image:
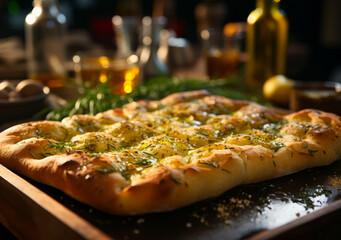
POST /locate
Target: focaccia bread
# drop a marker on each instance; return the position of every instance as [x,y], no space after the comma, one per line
[152,156]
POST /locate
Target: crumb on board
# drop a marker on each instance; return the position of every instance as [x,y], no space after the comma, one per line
[335,181]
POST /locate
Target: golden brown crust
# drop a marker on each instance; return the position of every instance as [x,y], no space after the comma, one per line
[155,156]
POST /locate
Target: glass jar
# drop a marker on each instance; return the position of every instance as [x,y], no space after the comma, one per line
[45,28]
[106,66]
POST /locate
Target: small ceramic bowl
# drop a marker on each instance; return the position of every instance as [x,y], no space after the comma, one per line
[324,96]
[22,108]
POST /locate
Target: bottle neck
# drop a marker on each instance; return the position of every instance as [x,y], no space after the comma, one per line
[49,7]
[46,4]
[151,28]
[268,5]
[43,3]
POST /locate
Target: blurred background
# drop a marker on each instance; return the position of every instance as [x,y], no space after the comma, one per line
[314,51]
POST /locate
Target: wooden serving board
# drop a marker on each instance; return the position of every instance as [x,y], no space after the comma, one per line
[306,204]
[30,213]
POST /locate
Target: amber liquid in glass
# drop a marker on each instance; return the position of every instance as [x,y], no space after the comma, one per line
[266,43]
[52,80]
[122,78]
[222,65]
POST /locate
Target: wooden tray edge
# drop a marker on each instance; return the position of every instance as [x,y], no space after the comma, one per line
[30,213]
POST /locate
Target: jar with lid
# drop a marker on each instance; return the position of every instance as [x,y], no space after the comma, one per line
[45,28]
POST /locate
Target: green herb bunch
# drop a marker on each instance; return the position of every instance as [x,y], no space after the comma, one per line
[100,98]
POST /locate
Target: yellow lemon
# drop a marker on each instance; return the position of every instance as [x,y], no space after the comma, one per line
[277,89]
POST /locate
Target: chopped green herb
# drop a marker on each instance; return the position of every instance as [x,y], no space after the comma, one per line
[277,146]
[58,145]
[168,139]
[149,154]
[175,179]
[147,146]
[225,170]
[112,146]
[204,134]
[33,155]
[305,196]
[209,163]
[311,151]
[106,168]
[143,163]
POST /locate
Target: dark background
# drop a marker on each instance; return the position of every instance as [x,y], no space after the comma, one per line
[315,26]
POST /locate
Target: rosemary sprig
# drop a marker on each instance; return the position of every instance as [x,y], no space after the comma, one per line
[33,155]
[143,163]
[209,163]
[149,154]
[105,168]
[58,145]
[277,146]
[175,179]
[98,99]
[311,151]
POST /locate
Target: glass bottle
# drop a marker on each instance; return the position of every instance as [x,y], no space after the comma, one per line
[266,43]
[45,29]
[126,34]
[150,64]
